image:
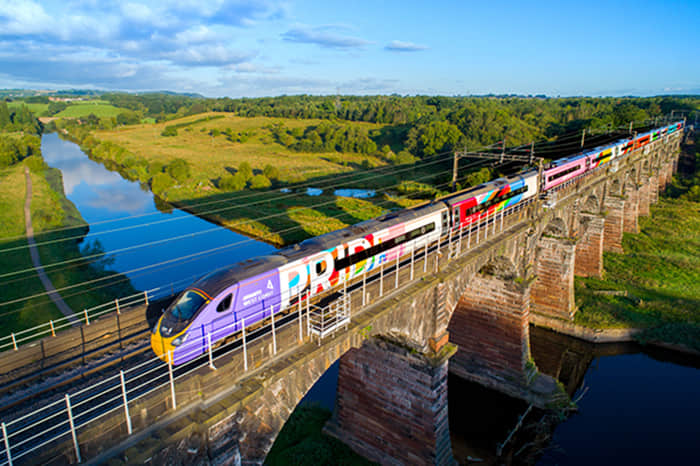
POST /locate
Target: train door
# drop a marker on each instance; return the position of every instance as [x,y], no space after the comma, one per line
[224,319]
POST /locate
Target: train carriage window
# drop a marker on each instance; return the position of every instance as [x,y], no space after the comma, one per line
[224,304]
[455,216]
[564,173]
[320,267]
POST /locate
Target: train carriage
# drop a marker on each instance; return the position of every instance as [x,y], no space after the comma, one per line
[487,198]
[563,170]
[223,302]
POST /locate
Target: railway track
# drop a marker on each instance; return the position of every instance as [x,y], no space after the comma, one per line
[80,394]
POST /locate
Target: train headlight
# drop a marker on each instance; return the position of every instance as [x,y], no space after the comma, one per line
[179,340]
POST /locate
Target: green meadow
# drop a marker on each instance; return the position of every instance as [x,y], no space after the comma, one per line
[658,275]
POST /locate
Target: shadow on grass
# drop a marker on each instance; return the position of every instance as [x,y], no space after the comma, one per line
[283,218]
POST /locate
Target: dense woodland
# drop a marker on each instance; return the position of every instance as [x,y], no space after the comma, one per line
[414,126]
[19,135]
[422,125]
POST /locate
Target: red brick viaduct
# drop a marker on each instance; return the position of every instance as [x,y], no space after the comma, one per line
[471,317]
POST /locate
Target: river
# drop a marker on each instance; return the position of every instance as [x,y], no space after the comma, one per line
[636,405]
[123,217]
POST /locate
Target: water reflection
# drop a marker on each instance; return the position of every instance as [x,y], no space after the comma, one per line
[636,406]
[348,192]
[124,216]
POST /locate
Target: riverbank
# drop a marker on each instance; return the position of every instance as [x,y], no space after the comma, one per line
[174,169]
[58,232]
[651,293]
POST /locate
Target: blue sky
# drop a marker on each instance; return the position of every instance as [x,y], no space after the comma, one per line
[256,48]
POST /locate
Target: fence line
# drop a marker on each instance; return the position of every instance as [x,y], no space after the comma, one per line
[320,321]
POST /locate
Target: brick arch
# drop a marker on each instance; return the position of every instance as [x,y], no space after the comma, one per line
[556,227]
[614,187]
[592,204]
[501,267]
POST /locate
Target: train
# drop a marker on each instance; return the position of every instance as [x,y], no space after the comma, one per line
[219,305]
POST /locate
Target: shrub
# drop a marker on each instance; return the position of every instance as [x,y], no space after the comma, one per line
[271,172]
[245,170]
[155,167]
[232,182]
[179,169]
[405,157]
[35,163]
[161,182]
[260,182]
[169,131]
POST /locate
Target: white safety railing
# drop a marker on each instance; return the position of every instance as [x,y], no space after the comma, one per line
[62,419]
[15,339]
[325,321]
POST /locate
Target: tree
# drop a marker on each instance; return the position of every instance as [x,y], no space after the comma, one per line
[232,182]
[5,120]
[260,182]
[245,170]
[8,152]
[161,182]
[179,169]
[128,118]
[271,172]
[169,131]
[56,107]
[435,137]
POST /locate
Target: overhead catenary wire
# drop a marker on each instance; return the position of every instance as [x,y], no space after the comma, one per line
[560,138]
[189,235]
[102,254]
[169,261]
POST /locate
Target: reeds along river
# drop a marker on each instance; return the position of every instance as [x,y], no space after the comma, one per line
[153,247]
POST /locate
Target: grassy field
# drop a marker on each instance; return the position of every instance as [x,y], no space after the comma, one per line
[50,210]
[659,271]
[211,157]
[83,108]
[276,217]
[302,442]
[37,109]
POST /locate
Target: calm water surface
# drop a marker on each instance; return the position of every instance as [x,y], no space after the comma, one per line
[640,407]
[187,246]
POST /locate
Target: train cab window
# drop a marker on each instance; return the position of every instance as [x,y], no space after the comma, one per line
[224,304]
[188,304]
[320,267]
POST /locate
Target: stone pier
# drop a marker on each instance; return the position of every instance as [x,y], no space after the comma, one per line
[644,200]
[631,214]
[614,221]
[653,189]
[490,326]
[392,403]
[553,291]
[589,249]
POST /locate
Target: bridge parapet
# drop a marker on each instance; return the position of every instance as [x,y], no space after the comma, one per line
[235,413]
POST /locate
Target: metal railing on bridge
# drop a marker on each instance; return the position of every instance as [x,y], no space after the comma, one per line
[63,418]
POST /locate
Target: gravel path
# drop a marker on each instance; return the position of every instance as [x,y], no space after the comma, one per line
[34,252]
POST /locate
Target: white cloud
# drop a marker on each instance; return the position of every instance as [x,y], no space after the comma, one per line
[325,36]
[400,46]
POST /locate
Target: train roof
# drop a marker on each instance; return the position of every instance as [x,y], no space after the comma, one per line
[218,280]
[488,186]
[359,230]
